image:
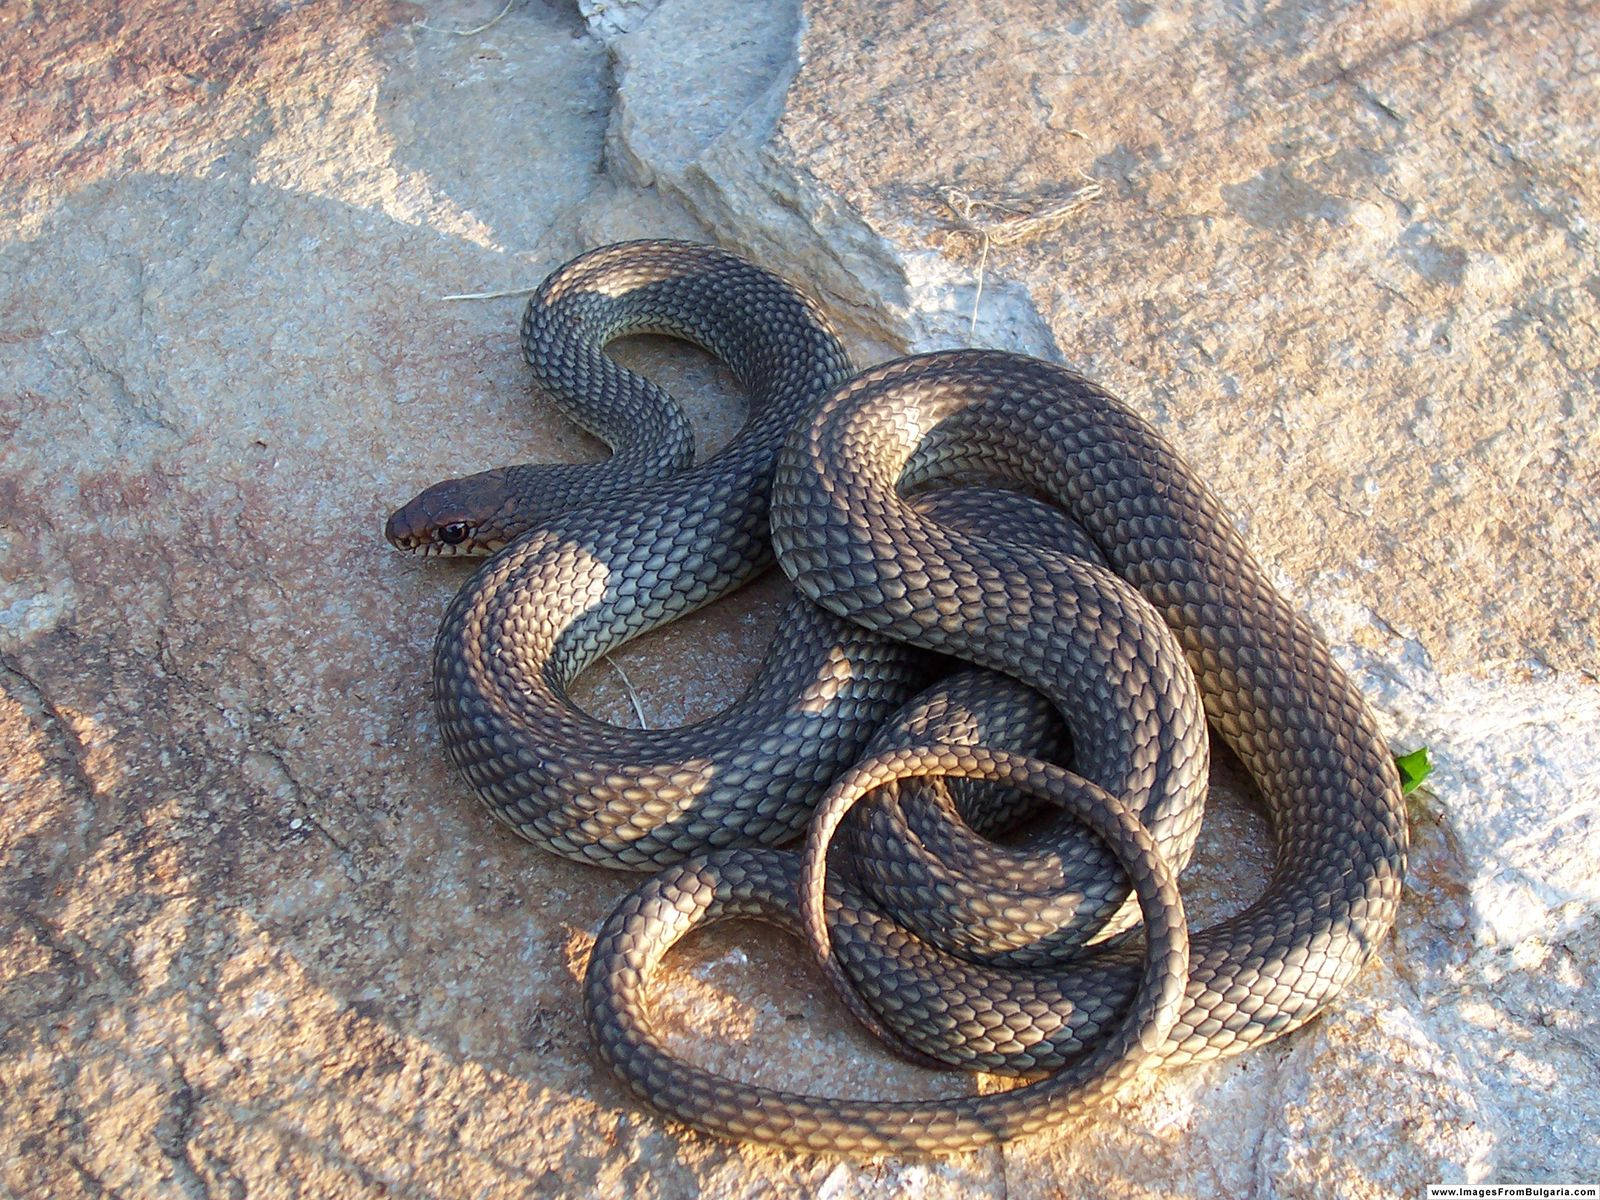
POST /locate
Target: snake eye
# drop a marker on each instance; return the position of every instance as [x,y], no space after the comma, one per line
[454,533]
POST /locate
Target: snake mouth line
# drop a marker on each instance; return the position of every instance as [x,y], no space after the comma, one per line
[481,550]
[440,550]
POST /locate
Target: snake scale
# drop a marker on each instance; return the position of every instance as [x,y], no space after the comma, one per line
[969,505]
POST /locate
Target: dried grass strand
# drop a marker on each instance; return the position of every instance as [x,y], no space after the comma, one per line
[526,291]
[492,21]
[1010,221]
[627,686]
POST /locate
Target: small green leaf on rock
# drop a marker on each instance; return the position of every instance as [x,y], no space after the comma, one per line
[1414,768]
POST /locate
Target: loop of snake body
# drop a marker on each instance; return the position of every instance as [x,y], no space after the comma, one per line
[1115,663]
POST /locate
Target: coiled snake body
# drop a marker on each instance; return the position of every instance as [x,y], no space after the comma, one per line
[1121,622]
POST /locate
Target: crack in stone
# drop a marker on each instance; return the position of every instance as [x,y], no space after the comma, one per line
[91,1180]
[71,754]
[174,1131]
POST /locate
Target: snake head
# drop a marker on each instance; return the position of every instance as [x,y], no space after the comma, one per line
[458,517]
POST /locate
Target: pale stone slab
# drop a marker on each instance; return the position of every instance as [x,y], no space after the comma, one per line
[256,941]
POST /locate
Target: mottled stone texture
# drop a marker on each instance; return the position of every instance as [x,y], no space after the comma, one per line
[254,941]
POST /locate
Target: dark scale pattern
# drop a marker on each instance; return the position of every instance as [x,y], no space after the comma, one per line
[1269,686]
[584,579]
[763,884]
[1111,628]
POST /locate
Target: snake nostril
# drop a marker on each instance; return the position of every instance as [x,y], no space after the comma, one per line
[398,530]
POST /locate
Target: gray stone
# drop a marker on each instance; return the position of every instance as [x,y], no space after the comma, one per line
[255,939]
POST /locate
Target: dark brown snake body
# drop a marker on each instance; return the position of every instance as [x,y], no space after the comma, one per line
[1121,622]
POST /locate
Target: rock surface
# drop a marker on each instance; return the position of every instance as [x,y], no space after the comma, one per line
[256,941]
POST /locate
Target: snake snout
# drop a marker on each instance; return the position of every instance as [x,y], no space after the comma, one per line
[452,518]
[397,529]
[413,528]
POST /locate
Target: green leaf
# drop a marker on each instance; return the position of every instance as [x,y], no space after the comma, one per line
[1414,768]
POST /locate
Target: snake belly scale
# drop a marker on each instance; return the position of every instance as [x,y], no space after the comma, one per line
[1119,633]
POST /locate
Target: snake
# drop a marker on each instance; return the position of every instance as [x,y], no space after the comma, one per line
[971,506]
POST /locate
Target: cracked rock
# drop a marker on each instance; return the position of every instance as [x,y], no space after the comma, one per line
[255,940]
